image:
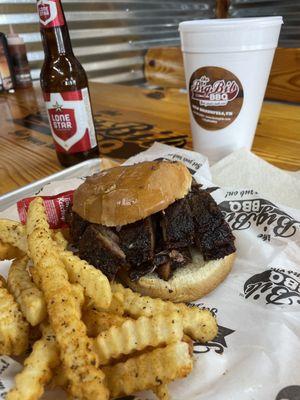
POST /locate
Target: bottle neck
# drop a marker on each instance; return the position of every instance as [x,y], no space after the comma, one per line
[56,41]
[54,29]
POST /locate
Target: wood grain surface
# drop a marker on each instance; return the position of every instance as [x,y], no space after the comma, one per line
[284,82]
[164,67]
[127,120]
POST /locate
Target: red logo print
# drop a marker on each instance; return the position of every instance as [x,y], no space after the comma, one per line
[63,121]
[44,11]
[71,120]
[50,13]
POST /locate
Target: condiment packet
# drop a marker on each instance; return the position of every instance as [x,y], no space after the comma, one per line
[255,355]
[55,208]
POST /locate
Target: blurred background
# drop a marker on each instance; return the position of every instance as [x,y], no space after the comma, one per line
[112,37]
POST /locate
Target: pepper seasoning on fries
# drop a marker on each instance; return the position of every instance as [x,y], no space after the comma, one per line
[140,343]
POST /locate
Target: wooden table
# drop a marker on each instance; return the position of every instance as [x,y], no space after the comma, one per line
[128,120]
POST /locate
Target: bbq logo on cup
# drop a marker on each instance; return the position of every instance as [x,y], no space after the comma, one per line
[216,97]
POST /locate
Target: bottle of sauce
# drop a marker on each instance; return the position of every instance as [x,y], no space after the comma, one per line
[65,88]
[18,55]
[6,72]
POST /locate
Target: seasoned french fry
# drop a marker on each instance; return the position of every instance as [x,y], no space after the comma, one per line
[85,380]
[135,335]
[60,239]
[14,233]
[34,275]
[161,392]
[13,327]
[117,304]
[190,342]
[197,323]
[99,321]
[78,294]
[91,279]
[27,295]
[148,370]
[38,369]
[8,251]
[94,282]
[77,289]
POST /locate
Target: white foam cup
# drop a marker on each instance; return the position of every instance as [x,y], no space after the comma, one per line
[227,63]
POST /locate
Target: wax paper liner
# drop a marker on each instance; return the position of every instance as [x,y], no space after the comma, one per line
[256,353]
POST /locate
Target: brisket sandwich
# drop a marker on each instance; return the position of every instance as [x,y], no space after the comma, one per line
[153,228]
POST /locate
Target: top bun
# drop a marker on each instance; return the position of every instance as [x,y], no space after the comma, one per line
[126,194]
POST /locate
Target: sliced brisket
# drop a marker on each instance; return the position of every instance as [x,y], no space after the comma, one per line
[160,242]
[98,247]
[212,233]
[137,240]
[77,227]
[218,244]
[177,225]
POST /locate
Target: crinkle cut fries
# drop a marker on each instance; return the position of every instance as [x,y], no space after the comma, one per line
[94,339]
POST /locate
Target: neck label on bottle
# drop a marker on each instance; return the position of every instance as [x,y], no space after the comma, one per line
[71,121]
[50,13]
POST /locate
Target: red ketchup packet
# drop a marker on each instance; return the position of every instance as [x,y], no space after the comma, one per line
[55,206]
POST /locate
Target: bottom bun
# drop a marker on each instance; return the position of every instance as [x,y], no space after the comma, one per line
[188,283]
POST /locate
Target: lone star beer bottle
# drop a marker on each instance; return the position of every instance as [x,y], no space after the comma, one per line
[65,89]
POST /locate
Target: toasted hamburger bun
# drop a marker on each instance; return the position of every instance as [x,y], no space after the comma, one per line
[126,194]
[188,283]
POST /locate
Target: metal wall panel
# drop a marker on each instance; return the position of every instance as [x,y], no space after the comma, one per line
[109,37]
[289,9]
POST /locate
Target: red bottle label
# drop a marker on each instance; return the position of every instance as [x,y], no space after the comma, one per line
[50,13]
[71,121]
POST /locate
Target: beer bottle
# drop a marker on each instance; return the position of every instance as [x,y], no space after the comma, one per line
[65,89]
